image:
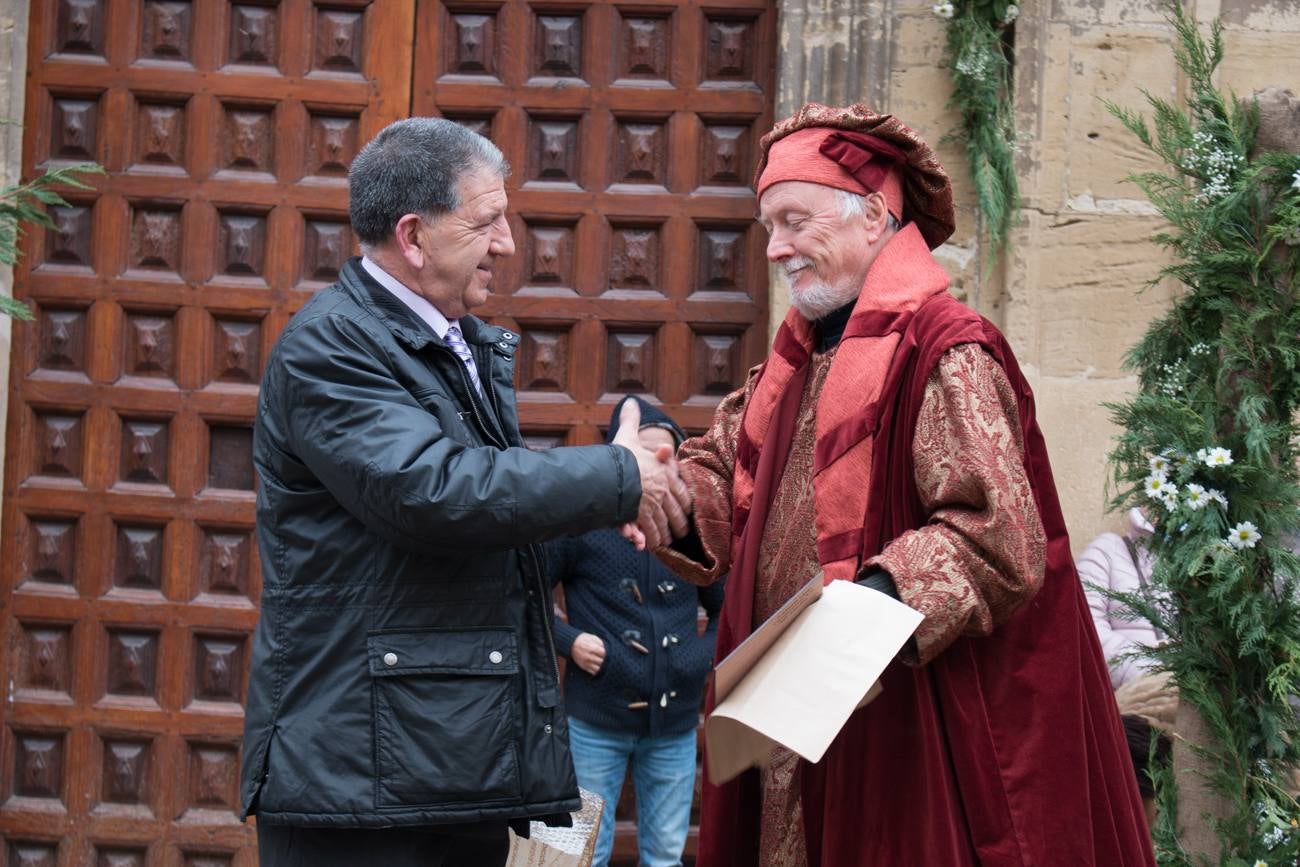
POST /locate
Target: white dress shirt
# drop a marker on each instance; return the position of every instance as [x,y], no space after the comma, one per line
[419,305]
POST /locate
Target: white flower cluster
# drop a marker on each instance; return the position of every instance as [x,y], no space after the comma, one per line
[1201,348]
[1193,496]
[1013,12]
[974,63]
[1216,164]
[943,10]
[1172,377]
[1295,180]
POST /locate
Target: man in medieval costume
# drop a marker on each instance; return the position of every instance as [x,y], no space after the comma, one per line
[890,439]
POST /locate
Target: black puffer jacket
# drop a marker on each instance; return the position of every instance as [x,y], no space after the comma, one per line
[403,668]
[629,598]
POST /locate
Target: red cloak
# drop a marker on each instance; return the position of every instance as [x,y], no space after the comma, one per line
[1004,750]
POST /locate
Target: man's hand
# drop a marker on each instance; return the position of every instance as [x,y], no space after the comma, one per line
[665,501]
[588,653]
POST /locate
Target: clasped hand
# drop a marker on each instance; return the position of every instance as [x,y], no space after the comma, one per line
[665,501]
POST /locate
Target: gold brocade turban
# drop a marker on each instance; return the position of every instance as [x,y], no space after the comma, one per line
[859,150]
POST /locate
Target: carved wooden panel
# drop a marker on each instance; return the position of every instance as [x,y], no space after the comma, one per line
[544,361]
[156,238]
[126,772]
[38,764]
[557,46]
[247,138]
[144,451]
[640,152]
[327,245]
[722,259]
[68,241]
[237,351]
[45,658]
[332,142]
[554,150]
[79,27]
[471,43]
[33,853]
[548,255]
[634,257]
[339,34]
[138,563]
[729,50]
[630,362]
[160,135]
[131,663]
[58,444]
[230,457]
[51,546]
[62,341]
[166,30]
[644,47]
[213,778]
[717,363]
[219,668]
[254,35]
[225,556]
[241,247]
[113,856]
[149,344]
[726,158]
[74,129]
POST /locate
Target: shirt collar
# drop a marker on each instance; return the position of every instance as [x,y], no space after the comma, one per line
[420,306]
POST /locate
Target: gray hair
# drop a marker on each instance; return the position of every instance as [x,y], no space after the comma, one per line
[414,166]
[853,205]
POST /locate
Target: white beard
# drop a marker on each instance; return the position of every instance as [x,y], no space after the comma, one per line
[816,298]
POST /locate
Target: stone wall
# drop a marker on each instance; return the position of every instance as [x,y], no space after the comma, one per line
[1070,296]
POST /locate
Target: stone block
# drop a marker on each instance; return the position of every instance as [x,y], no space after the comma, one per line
[1253,61]
[1115,65]
[918,40]
[1268,16]
[1079,434]
[1122,12]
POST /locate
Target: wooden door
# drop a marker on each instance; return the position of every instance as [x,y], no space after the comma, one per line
[130,581]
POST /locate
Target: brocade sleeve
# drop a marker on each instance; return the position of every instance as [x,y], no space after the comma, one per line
[982,553]
[706,463]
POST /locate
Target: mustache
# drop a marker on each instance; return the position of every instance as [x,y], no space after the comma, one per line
[794,263]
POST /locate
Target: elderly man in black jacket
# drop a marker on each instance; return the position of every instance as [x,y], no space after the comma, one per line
[636,682]
[404,706]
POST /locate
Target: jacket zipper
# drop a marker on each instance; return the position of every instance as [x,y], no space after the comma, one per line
[538,578]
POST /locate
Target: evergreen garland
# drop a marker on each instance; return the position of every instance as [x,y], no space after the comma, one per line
[1209,448]
[977,56]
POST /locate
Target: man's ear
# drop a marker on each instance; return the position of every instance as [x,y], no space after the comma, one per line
[876,216]
[407,235]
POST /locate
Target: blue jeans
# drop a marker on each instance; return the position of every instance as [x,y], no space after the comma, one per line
[663,772]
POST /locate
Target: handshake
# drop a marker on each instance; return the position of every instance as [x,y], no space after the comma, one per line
[665,502]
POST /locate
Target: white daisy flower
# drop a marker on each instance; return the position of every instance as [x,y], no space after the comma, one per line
[943,10]
[1158,487]
[1159,464]
[1295,180]
[1261,863]
[1244,535]
[1217,496]
[1196,497]
[1013,12]
[1217,457]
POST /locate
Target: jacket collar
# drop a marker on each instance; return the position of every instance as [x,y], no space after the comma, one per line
[409,328]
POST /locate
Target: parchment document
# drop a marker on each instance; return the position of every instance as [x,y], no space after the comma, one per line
[796,680]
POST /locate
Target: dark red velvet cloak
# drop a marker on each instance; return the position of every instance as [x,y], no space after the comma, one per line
[1005,750]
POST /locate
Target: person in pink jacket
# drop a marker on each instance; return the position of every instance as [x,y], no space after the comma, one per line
[1118,563]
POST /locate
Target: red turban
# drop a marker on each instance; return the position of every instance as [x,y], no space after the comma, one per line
[852,161]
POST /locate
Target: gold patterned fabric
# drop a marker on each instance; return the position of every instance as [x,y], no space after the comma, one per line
[981,555]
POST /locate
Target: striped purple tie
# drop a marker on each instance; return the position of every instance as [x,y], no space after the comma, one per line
[456,342]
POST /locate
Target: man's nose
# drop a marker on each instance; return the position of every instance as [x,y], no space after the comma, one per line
[778,247]
[504,242]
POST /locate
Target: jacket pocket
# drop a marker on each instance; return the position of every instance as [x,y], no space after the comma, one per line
[444,716]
